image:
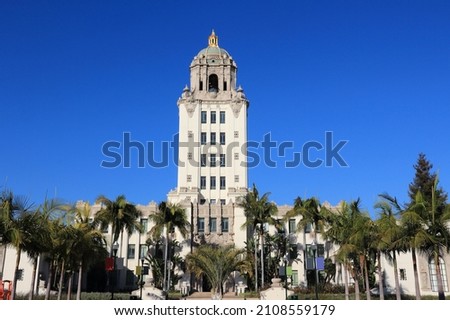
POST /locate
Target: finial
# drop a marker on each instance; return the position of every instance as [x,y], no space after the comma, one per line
[213,40]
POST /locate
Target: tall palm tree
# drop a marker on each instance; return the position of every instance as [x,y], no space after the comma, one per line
[217,263]
[390,235]
[169,218]
[121,214]
[258,211]
[309,211]
[89,243]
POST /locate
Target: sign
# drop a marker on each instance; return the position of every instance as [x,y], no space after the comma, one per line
[109,264]
[138,270]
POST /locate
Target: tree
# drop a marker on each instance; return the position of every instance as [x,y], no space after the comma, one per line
[258,211]
[169,218]
[216,263]
[424,181]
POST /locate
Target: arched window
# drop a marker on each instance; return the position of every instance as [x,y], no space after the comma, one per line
[213,81]
[433,274]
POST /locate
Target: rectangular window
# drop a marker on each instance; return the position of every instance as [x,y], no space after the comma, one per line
[190,134]
[203,116]
[213,117]
[224,86]
[403,274]
[236,178]
[201,85]
[236,134]
[202,182]
[212,184]
[213,138]
[202,201]
[203,138]
[212,159]
[222,202]
[201,224]
[224,224]
[236,156]
[212,201]
[308,228]
[203,160]
[222,160]
[213,225]
[222,183]
[144,225]
[131,252]
[143,248]
[222,116]
[292,227]
[222,138]
[188,178]
[189,155]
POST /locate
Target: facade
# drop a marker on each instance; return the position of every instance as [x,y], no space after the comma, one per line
[212,176]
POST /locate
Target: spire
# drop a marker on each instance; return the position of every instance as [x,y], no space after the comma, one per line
[213,40]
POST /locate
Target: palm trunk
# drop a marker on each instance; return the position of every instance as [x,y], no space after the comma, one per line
[69,286]
[366,278]
[49,280]
[344,268]
[166,249]
[61,278]
[256,264]
[16,271]
[380,276]
[397,281]
[80,276]
[437,264]
[416,273]
[33,279]
[262,258]
[356,288]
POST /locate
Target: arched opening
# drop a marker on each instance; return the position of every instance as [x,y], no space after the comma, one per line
[433,274]
[213,81]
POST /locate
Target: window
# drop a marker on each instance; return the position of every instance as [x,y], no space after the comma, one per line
[212,159]
[308,228]
[203,116]
[236,178]
[144,224]
[190,134]
[403,274]
[201,85]
[222,202]
[236,156]
[201,225]
[203,160]
[131,251]
[212,183]
[292,228]
[188,178]
[213,225]
[224,224]
[213,138]
[222,183]
[143,248]
[203,138]
[222,160]
[236,134]
[213,117]
[212,201]
[202,201]
[222,138]
[294,278]
[189,155]
[213,83]
[224,86]
[202,182]
[222,116]
[433,274]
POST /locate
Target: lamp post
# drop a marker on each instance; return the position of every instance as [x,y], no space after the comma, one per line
[314,249]
[141,278]
[115,248]
[286,275]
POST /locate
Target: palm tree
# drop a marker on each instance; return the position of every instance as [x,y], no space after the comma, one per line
[216,263]
[121,214]
[169,218]
[258,211]
[89,243]
[390,236]
[309,211]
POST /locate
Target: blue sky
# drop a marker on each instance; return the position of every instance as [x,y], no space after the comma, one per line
[76,74]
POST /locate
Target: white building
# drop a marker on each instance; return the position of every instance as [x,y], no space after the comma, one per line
[212,175]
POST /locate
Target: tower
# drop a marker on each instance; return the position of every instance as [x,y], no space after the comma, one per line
[212,151]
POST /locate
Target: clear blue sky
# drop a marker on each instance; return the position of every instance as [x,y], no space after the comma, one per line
[76,74]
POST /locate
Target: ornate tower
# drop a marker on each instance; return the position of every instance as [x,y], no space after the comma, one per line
[212,152]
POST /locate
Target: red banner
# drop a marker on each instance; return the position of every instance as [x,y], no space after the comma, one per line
[109,264]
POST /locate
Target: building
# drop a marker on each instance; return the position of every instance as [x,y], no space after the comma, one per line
[212,176]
